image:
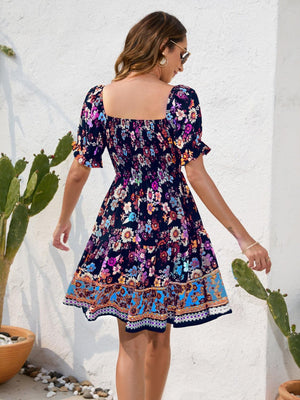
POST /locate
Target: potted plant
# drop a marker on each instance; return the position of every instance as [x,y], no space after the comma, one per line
[249,281]
[15,212]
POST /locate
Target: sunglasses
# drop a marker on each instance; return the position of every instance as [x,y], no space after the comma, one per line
[184,56]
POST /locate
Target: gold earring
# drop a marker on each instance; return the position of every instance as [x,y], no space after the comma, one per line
[163,61]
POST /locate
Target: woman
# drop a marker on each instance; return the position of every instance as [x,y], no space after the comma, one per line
[149,261]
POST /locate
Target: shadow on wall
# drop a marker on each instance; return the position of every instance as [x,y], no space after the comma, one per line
[6,74]
[81,338]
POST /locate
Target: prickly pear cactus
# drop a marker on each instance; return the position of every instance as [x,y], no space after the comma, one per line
[62,149]
[248,280]
[40,189]
[44,193]
[294,345]
[278,309]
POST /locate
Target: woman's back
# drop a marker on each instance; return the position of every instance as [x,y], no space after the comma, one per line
[136,98]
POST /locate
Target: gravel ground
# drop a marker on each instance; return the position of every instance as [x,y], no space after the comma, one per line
[23,387]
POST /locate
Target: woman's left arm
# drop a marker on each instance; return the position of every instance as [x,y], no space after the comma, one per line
[207,191]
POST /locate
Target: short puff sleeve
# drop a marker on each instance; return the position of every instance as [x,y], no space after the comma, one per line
[187,124]
[91,140]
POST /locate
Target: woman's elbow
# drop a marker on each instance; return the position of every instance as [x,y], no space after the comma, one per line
[195,171]
[78,173]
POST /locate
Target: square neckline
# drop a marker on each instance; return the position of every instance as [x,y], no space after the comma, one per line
[109,117]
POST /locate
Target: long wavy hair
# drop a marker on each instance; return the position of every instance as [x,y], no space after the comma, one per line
[142,45]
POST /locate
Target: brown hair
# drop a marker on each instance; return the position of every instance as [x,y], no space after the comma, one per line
[142,45]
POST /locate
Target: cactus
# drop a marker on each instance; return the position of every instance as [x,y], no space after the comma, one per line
[278,309]
[294,346]
[20,165]
[248,280]
[44,193]
[7,172]
[40,189]
[61,149]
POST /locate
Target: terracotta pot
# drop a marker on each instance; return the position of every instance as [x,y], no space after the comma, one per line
[13,356]
[287,388]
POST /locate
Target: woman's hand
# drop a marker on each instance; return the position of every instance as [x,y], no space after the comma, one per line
[61,235]
[258,257]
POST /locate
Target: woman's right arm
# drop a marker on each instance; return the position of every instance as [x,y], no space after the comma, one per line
[77,176]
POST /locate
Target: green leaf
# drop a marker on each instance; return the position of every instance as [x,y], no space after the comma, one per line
[17,230]
[62,150]
[7,172]
[31,185]
[44,193]
[12,196]
[247,279]
[20,166]
[294,346]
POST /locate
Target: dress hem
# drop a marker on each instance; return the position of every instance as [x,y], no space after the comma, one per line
[156,325]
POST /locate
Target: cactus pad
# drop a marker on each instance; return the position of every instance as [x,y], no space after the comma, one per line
[41,165]
[294,346]
[247,279]
[7,172]
[17,229]
[44,193]
[20,165]
[12,196]
[62,150]
[278,309]
[31,185]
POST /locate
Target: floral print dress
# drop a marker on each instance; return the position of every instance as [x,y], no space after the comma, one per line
[149,260]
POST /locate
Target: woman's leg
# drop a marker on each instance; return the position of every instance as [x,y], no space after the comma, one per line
[157,363]
[130,380]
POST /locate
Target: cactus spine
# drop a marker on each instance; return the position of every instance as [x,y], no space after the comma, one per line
[249,281]
[16,209]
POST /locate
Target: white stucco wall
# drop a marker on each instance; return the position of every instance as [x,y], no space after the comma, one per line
[285,211]
[63,49]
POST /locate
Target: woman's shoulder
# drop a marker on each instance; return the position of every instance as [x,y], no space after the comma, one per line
[184,95]
[183,91]
[93,95]
[95,90]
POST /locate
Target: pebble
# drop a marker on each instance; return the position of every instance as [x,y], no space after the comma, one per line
[101,392]
[72,379]
[58,382]
[33,374]
[51,394]
[87,394]
[43,370]
[5,334]
[70,386]
[86,383]
[55,375]
[4,340]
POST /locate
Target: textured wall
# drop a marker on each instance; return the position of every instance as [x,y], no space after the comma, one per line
[285,211]
[63,49]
